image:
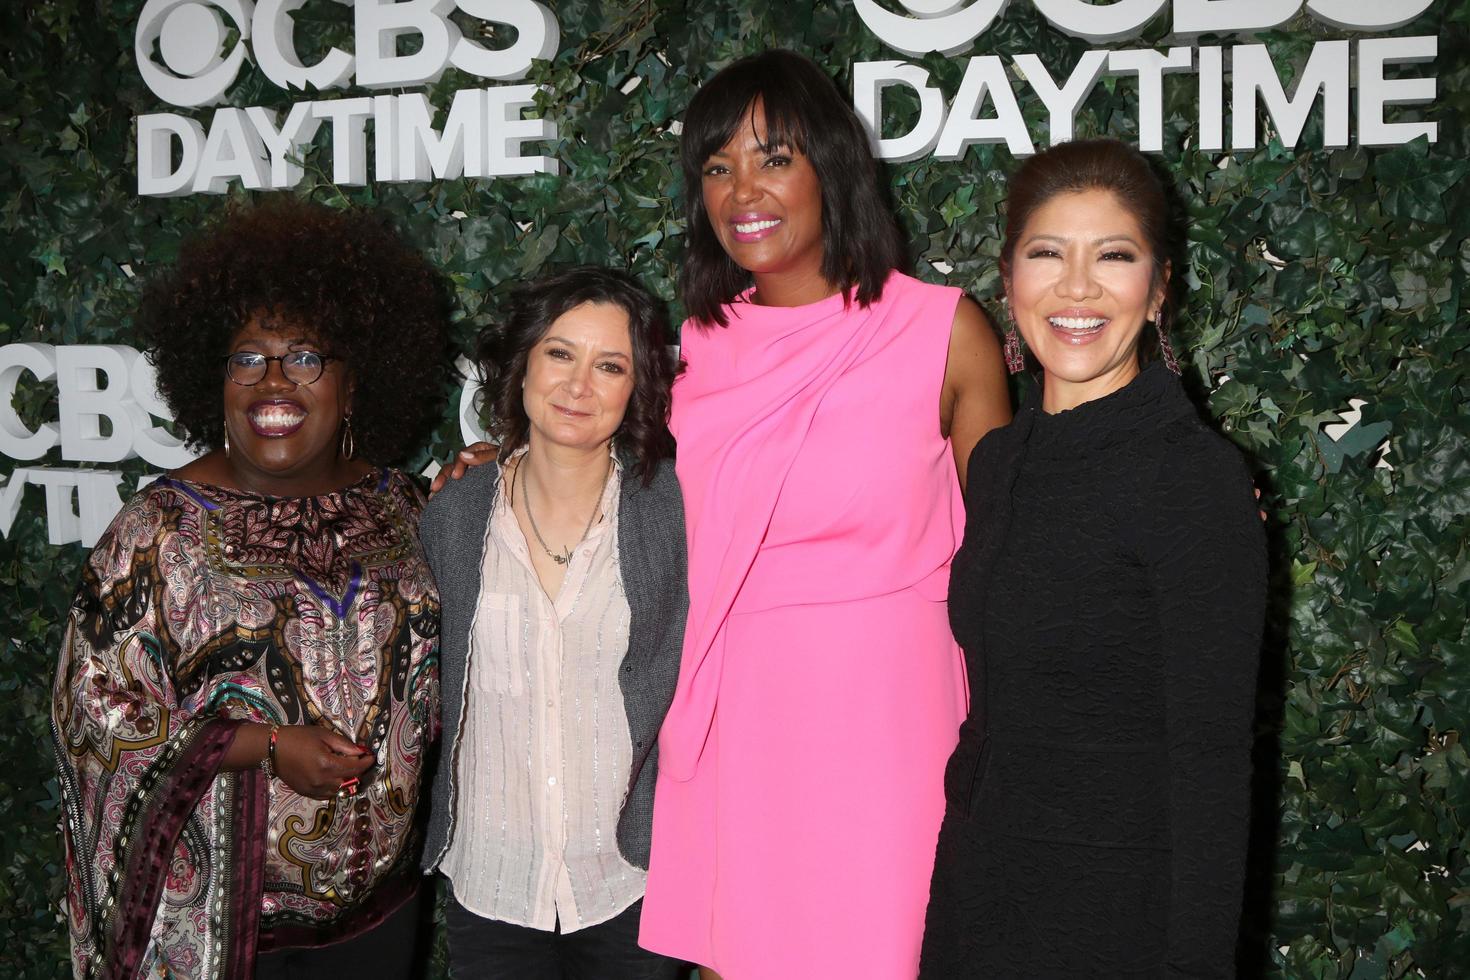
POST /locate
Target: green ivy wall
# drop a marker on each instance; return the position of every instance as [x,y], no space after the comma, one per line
[1316,277]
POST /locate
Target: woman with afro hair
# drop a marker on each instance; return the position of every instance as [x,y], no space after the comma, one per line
[248,681]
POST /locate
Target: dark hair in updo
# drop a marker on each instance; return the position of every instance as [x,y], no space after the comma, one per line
[340,276]
[861,243]
[502,352]
[1098,165]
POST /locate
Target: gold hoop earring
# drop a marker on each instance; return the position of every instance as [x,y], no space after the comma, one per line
[349,445]
[227,438]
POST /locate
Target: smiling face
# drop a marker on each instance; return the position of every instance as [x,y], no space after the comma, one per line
[579,377]
[284,437]
[764,204]
[1081,287]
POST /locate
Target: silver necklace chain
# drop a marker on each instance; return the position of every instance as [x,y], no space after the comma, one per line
[566,556]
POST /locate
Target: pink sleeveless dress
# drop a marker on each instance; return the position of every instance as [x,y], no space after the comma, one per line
[801,766]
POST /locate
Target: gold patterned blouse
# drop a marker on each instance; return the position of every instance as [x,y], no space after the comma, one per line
[201,608]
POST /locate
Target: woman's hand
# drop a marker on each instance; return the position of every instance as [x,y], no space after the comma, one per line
[316,762]
[475,454]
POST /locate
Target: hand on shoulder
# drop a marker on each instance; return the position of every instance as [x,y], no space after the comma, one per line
[475,454]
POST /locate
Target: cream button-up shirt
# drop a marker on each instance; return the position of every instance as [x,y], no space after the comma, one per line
[545,755]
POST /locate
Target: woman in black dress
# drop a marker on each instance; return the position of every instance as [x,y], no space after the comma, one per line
[1109,596]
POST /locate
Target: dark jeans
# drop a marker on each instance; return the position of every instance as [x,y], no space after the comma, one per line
[385,952]
[485,949]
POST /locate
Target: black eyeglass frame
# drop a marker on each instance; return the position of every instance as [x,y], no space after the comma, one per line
[325,359]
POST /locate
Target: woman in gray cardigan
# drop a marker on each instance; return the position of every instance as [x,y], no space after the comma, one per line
[561,572]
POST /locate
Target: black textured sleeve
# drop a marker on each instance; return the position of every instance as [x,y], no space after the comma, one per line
[1205,548]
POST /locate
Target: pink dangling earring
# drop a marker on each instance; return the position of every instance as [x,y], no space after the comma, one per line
[1166,349]
[1015,358]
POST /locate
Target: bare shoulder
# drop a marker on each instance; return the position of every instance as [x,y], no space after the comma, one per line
[976,397]
[974,374]
[972,335]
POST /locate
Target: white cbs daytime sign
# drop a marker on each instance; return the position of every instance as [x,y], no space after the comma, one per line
[97,382]
[985,108]
[94,382]
[484,134]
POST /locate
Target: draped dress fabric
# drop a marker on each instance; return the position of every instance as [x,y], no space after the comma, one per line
[1109,595]
[799,791]
[202,608]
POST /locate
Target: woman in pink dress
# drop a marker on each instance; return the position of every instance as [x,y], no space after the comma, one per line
[827,401]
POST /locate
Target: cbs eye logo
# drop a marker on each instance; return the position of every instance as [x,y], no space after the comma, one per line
[946,26]
[190,37]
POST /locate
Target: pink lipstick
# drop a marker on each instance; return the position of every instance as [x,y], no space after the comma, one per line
[752,227]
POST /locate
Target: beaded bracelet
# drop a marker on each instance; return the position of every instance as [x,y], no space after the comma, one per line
[268,762]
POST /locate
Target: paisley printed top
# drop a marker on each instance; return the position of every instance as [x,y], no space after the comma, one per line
[201,608]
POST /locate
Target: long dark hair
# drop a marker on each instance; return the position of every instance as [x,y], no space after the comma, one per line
[861,243]
[502,351]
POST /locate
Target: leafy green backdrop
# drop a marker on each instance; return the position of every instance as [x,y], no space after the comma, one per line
[1316,277]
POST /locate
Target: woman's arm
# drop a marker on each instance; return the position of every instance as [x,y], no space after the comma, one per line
[135,765]
[310,759]
[975,398]
[1207,561]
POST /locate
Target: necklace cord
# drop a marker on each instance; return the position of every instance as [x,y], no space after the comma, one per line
[566,556]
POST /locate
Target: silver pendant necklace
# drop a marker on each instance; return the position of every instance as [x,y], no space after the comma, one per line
[566,555]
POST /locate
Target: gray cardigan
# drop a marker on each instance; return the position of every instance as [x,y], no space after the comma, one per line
[651,557]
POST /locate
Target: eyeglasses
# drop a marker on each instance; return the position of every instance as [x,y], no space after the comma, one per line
[301,367]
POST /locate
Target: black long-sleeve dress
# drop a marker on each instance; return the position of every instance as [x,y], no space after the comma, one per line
[1109,596]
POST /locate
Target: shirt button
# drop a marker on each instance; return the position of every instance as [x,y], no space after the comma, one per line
[551,781]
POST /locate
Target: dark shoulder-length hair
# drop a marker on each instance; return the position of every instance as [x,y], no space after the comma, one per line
[802,108]
[503,350]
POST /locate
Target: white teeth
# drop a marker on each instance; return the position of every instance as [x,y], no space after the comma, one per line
[1077,322]
[750,227]
[276,418]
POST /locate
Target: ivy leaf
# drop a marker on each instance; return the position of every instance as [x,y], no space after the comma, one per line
[539,248]
[52,261]
[1355,442]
